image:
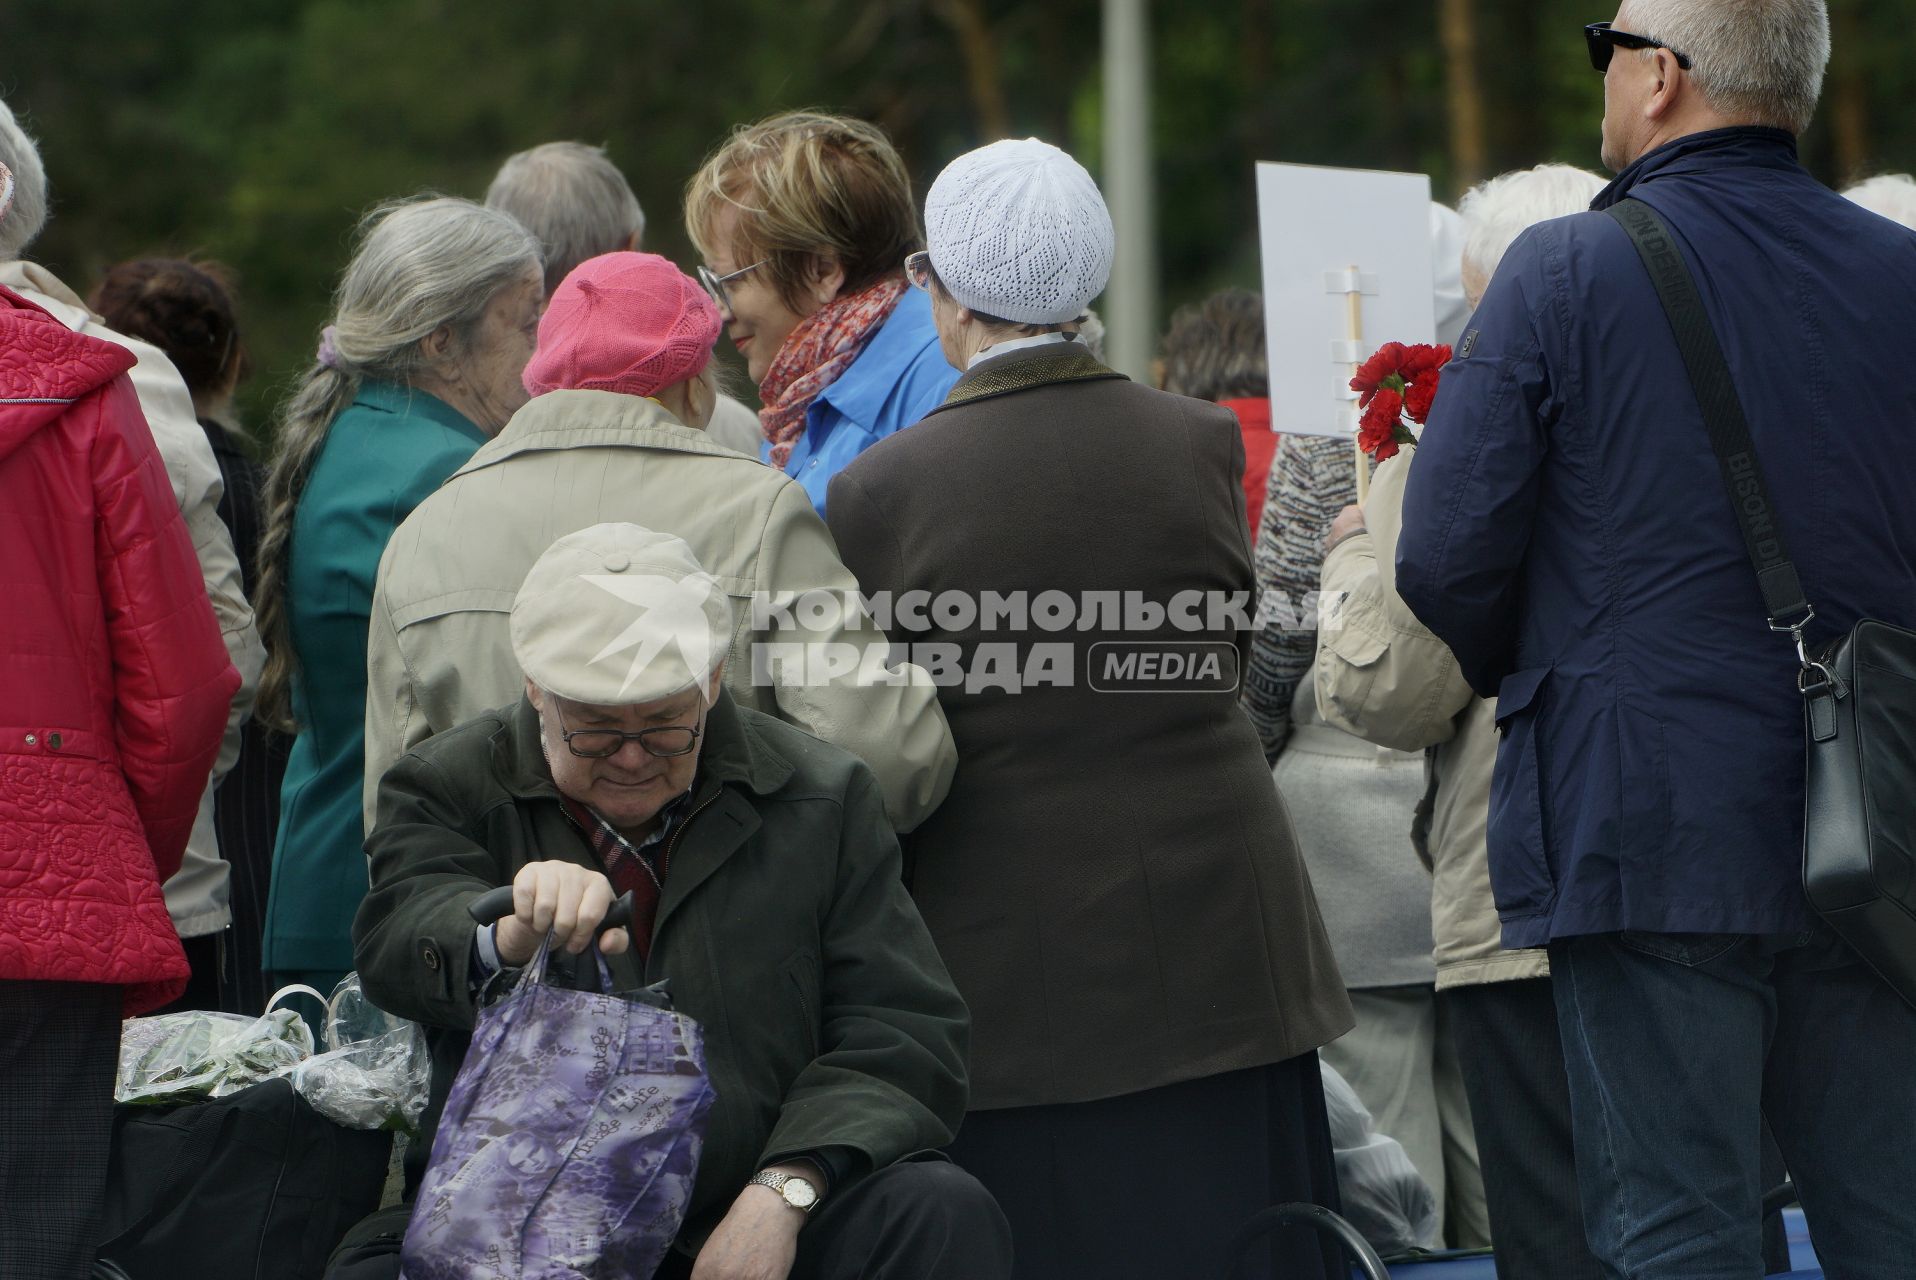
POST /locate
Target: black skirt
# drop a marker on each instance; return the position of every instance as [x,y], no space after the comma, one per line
[1153,1185]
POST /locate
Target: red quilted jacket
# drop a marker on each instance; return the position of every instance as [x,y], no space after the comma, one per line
[113,681]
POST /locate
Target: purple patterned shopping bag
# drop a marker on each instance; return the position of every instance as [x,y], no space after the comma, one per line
[569,1140]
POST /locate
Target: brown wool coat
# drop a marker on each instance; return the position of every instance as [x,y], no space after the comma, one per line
[1113,879]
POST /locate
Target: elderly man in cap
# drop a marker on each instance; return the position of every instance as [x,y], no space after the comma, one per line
[766,877]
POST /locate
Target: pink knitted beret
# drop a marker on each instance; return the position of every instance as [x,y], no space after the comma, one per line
[625,322]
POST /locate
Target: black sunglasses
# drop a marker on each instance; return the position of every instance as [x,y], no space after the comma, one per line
[1604,40]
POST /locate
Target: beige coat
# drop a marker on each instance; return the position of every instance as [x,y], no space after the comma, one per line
[1382,675]
[439,654]
[199,894]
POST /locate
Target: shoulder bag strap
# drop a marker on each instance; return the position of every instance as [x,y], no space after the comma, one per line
[1723,415]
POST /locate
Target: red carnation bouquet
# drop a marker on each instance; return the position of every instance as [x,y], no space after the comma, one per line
[1395,388]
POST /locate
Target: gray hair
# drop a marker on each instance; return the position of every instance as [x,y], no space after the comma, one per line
[1496,212]
[1091,333]
[28,214]
[420,265]
[1755,61]
[573,199]
[1214,349]
[1891,194]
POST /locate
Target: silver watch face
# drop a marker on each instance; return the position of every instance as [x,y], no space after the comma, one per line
[799,1193]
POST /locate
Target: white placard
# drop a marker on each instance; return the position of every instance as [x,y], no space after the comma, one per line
[1315,226]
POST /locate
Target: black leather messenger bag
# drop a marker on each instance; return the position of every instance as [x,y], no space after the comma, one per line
[1859,693]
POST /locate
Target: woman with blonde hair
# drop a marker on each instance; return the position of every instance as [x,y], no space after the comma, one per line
[435,318]
[804,222]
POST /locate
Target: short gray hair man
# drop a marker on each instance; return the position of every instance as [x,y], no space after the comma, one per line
[573,199]
[1756,61]
[577,205]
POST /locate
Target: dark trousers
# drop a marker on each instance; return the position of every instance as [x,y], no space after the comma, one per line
[1677,1046]
[918,1220]
[1512,1058]
[922,1219]
[1154,1184]
[1512,1062]
[208,984]
[246,816]
[59,1048]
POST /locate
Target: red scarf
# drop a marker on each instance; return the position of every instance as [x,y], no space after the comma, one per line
[814,354]
[638,869]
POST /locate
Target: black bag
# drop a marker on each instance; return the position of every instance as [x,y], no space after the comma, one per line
[253,1186]
[1859,693]
[371,1250]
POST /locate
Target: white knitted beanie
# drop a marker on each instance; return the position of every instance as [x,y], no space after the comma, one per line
[1018,230]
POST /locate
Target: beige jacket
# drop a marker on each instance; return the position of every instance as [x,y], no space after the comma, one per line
[199,894]
[1382,675]
[439,654]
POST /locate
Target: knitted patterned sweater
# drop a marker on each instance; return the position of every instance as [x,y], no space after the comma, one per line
[1312,479]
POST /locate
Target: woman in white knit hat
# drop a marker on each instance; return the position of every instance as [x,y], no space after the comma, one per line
[1112,878]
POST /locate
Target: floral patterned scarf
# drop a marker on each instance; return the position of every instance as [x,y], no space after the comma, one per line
[821,348]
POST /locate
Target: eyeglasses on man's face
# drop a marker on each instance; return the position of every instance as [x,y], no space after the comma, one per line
[1604,40]
[597,744]
[715,285]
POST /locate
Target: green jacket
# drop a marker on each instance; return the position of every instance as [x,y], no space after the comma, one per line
[829,1019]
[383,454]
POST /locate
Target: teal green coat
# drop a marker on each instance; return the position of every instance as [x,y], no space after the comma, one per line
[389,449]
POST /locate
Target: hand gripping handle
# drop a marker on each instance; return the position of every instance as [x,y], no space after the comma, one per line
[495,905]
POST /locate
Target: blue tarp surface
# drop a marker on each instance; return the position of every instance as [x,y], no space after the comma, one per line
[1478,1267]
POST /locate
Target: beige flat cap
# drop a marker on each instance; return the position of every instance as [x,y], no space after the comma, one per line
[617,615]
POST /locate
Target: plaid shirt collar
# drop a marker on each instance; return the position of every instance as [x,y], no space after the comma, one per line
[613,849]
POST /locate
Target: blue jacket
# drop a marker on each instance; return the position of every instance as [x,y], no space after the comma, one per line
[1567,534]
[898,379]
[382,455]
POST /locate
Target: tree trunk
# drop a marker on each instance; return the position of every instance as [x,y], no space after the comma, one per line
[1849,96]
[1469,151]
[979,49]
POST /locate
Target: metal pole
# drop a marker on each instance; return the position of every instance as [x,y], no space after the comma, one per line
[1131,303]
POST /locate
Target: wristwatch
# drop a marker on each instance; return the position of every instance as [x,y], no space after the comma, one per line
[794,1190]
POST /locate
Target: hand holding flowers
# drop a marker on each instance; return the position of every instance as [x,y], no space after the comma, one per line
[1395,388]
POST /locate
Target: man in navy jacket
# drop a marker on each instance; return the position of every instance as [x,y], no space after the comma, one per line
[1567,534]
